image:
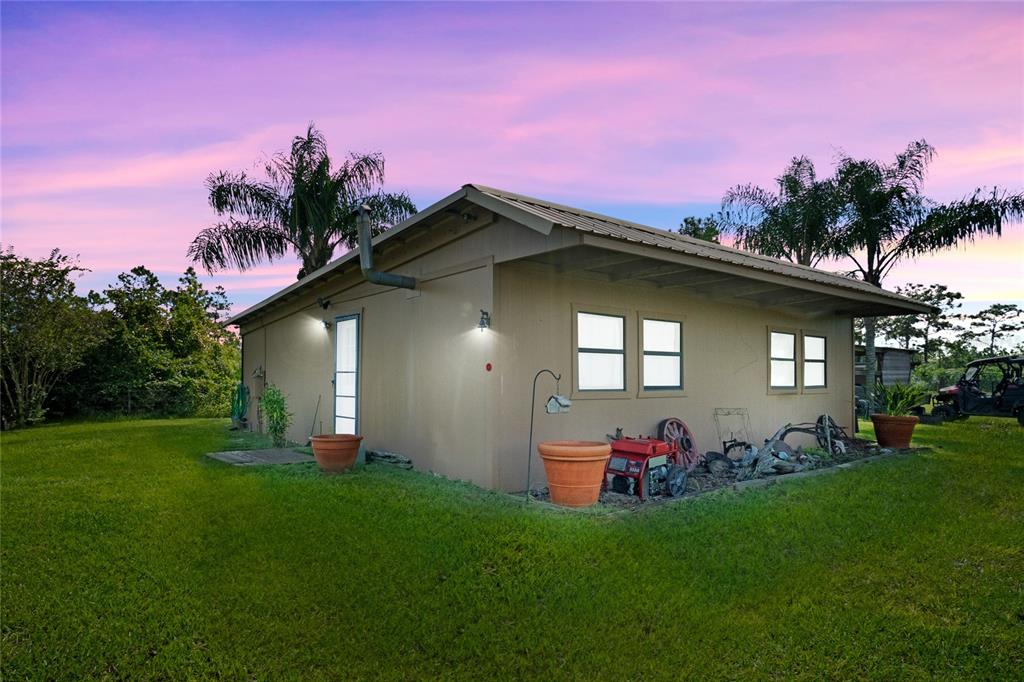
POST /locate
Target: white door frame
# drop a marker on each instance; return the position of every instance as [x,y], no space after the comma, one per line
[357,371]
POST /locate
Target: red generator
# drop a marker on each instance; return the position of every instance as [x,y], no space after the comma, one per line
[645,467]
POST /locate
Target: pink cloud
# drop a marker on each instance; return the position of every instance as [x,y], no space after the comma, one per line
[106,150]
[152,170]
[565,120]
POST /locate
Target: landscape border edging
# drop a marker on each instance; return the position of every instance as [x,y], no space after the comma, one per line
[737,487]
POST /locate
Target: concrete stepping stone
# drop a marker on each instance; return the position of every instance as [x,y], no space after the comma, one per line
[261,457]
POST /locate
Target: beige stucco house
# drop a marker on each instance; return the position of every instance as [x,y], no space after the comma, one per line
[641,323]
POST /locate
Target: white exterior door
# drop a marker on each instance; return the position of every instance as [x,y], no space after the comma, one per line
[346,375]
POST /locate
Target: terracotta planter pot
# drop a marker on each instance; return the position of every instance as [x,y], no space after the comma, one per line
[893,432]
[575,470]
[336,453]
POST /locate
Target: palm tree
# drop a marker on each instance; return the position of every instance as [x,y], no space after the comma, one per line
[796,224]
[305,205]
[887,218]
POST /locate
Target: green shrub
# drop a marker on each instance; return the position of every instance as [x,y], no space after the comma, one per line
[935,377]
[275,412]
[163,352]
[898,399]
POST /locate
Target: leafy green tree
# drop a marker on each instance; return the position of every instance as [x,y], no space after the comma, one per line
[959,352]
[935,375]
[923,330]
[707,229]
[122,373]
[995,323]
[887,218]
[46,331]
[306,204]
[948,362]
[900,329]
[796,223]
[165,352]
[206,357]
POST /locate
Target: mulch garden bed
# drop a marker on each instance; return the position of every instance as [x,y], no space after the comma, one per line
[701,480]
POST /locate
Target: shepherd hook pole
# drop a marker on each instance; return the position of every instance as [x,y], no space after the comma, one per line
[533,410]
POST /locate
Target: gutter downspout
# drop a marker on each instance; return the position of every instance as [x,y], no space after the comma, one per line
[388,279]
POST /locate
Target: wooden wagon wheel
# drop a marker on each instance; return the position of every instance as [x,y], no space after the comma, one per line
[674,430]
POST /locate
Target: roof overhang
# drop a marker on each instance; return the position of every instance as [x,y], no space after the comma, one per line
[620,250]
[398,233]
[613,260]
[734,273]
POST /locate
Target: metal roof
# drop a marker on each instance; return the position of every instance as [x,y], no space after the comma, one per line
[347,257]
[606,226]
[543,215]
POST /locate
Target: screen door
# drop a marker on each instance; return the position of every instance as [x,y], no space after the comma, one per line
[346,375]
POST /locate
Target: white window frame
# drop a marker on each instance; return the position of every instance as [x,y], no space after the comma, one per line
[805,361]
[660,391]
[795,360]
[585,393]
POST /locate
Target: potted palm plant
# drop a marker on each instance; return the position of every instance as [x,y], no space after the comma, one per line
[894,423]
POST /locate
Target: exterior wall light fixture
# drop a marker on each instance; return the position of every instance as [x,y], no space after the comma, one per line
[485,320]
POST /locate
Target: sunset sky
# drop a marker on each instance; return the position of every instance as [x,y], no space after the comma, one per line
[113,115]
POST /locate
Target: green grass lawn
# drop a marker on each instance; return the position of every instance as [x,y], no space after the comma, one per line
[127,554]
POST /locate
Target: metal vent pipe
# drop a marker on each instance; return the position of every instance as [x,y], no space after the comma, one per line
[388,279]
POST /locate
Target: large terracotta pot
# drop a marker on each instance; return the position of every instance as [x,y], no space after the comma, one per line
[575,470]
[893,432]
[336,453]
